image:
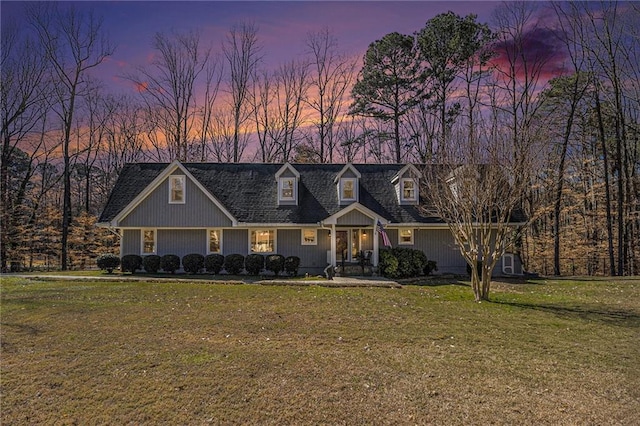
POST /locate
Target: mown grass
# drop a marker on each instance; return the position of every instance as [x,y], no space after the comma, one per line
[543,352]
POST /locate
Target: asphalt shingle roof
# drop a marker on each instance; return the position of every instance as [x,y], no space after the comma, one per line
[249,191]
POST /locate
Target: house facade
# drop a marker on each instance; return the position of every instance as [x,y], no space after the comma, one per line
[322,213]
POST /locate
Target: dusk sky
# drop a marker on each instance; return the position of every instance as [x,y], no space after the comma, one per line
[282,25]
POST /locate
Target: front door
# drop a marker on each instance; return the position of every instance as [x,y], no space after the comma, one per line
[347,245]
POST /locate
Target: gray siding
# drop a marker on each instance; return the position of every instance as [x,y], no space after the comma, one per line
[181,241]
[130,242]
[356,218]
[155,210]
[439,245]
[311,257]
[235,241]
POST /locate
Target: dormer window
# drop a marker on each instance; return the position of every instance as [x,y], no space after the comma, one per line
[348,189]
[176,189]
[287,178]
[408,190]
[287,189]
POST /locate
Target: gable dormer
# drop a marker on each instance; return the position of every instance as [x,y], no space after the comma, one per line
[287,179]
[406,183]
[348,184]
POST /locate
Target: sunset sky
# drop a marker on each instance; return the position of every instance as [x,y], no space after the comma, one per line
[282,25]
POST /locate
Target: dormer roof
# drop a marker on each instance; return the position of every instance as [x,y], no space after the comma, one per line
[347,167]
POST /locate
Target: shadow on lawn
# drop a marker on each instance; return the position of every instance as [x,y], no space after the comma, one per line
[619,317]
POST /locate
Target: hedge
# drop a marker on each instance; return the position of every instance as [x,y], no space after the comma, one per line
[108,262]
[254,263]
[170,263]
[131,263]
[213,263]
[151,263]
[234,263]
[275,263]
[193,263]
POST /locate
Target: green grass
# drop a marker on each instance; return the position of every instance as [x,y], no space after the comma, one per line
[543,352]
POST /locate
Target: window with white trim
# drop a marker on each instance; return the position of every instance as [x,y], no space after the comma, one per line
[408,190]
[309,237]
[287,189]
[214,241]
[262,241]
[177,189]
[148,241]
[348,189]
[405,236]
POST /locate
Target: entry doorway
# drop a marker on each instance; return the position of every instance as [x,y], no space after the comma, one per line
[348,244]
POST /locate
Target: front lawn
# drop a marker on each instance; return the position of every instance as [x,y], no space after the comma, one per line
[91,352]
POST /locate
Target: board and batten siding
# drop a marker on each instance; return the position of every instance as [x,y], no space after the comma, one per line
[235,241]
[439,245]
[181,241]
[355,218]
[131,242]
[156,211]
[311,257]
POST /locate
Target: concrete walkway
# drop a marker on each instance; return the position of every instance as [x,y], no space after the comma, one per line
[336,282]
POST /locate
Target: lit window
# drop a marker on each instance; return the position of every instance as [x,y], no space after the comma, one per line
[148,241]
[309,237]
[176,189]
[215,240]
[409,192]
[263,241]
[287,189]
[405,236]
[347,189]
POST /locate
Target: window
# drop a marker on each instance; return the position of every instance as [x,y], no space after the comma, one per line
[263,241]
[215,241]
[287,191]
[176,189]
[348,189]
[309,237]
[405,236]
[148,241]
[408,189]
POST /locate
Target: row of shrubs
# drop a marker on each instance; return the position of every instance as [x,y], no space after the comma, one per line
[403,262]
[195,263]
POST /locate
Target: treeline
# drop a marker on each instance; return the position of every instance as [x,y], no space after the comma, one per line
[456,85]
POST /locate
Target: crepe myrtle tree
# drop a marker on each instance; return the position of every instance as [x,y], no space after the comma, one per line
[479,197]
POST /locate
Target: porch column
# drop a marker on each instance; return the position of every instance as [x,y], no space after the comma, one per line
[374,258]
[333,245]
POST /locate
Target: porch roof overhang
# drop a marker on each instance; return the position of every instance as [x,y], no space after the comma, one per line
[333,219]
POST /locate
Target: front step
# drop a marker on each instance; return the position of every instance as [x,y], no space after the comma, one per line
[353,270]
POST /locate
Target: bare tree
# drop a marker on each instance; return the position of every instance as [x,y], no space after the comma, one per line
[332,75]
[74,45]
[243,54]
[167,88]
[478,192]
[213,77]
[24,91]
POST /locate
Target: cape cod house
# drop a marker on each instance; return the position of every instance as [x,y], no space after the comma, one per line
[322,213]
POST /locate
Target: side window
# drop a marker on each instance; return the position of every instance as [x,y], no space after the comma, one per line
[176,189]
[309,237]
[148,241]
[405,236]
[215,241]
[263,241]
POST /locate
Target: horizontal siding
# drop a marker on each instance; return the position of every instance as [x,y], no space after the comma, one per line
[155,210]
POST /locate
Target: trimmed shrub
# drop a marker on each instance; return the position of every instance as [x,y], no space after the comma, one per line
[170,263]
[234,263]
[388,264]
[193,263]
[213,263]
[131,263]
[291,265]
[151,263]
[430,266]
[254,263]
[108,262]
[275,263]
